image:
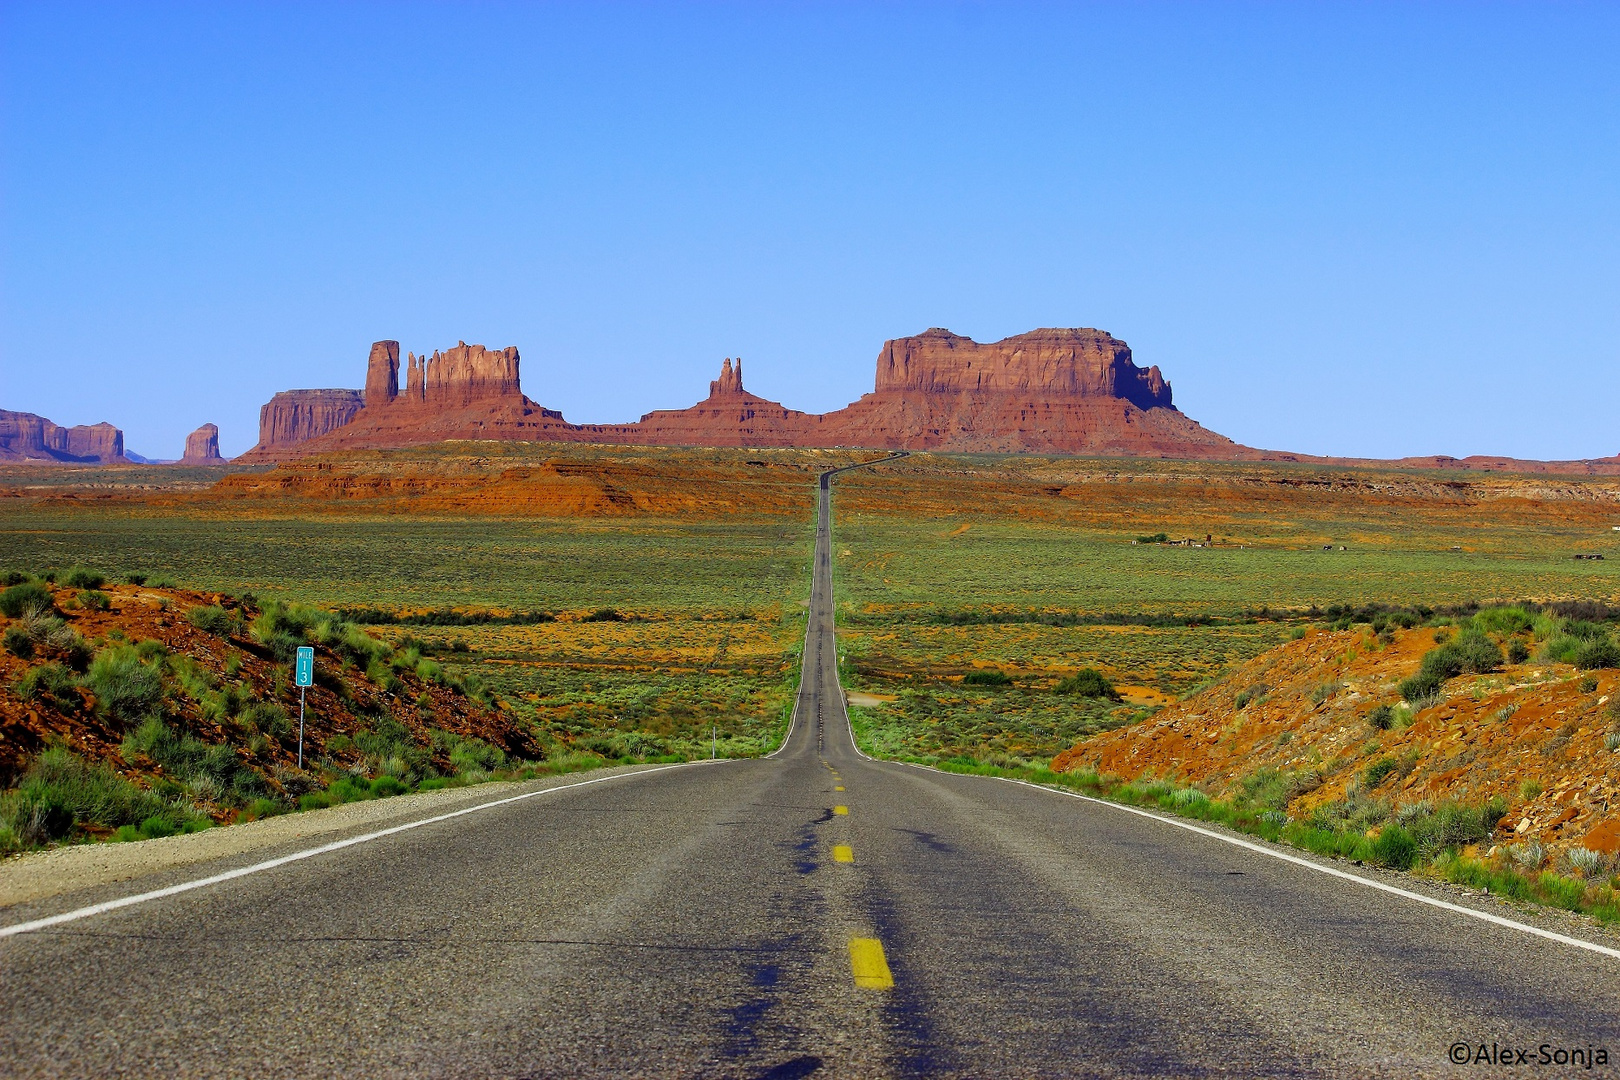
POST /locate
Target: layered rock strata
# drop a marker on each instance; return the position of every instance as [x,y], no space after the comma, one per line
[27,437]
[202,447]
[295,417]
[1048,391]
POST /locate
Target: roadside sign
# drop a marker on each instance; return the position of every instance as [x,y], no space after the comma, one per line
[304,669]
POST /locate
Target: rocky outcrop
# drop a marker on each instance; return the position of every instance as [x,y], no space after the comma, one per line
[27,437]
[294,417]
[382,373]
[202,447]
[1066,391]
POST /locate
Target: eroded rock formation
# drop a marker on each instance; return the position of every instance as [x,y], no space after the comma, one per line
[202,447]
[294,417]
[1048,391]
[27,437]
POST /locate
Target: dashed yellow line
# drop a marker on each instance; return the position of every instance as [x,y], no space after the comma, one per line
[843,853]
[838,787]
[869,965]
[840,809]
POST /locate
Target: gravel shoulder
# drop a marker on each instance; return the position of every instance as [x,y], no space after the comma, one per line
[42,874]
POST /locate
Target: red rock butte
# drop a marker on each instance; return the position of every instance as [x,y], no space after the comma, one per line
[1072,391]
[27,437]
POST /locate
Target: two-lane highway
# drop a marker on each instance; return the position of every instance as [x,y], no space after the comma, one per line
[814,913]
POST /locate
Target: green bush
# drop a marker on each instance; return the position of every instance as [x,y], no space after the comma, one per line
[215,620]
[1504,620]
[94,600]
[1395,848]
[52,683]
[1597,653]
[19,600]
[125,689]
[61,790]
[267,718]
[83,577]
[18,643]
[1470,652]
[1379,771]
[384,786]
[1421,688]
[606,614]
[134,578]
[1087,682]
[1382,717]
[1517,652]
[989,677]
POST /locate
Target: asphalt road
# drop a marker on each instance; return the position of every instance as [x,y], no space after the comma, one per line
[702,921]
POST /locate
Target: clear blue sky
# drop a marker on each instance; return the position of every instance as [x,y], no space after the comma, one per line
[1342,229]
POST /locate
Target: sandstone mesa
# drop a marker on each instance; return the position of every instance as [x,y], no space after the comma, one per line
[27,437]
[1063,391]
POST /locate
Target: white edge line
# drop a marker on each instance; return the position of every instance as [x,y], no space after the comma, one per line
[336,845]
[1331,871]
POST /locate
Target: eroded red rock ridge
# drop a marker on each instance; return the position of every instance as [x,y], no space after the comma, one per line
[1054,391]
[27,437]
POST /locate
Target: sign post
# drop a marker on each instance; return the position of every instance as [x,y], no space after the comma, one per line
[304,676]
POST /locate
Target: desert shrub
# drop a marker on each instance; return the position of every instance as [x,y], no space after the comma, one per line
[1087,682]
[125,689]
[359,647]
[18,643]
[1382,718]
[1504,620]
[1395,848]
[1597,653]
[1585,861]
[83,577]
[1469,652]
[1379,771]
[1322,691]
[94,600]
[603,615]
[53,683]
[339,744]
[1422,689]
[467,754]
[384,786]
[134,578]
[267,718]
[1452,825]
[1589,684]
[1156,538]
[23,599]
[391,741]
[1517,652]
[12,577]
[208,771]
[215,620]
[990,677]
[61,790]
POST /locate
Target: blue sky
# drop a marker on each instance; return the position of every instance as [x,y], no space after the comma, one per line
[1358,229]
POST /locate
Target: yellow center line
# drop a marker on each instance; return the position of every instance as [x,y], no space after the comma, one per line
[867,961]
[843,853]
[840,809]
[838,787]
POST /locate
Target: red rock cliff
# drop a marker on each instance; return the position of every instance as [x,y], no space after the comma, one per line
[296,416]
[27,437]
[202,447]
[1042,364]
[1048,391]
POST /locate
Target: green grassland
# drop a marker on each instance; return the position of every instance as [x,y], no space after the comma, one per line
[674,673]
[926,594]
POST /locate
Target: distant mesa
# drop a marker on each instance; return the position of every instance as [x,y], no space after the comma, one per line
[202,447]
[27,437]
[1063,391]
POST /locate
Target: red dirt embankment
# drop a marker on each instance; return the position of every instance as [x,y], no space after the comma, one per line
[342,702]
[1529,734]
